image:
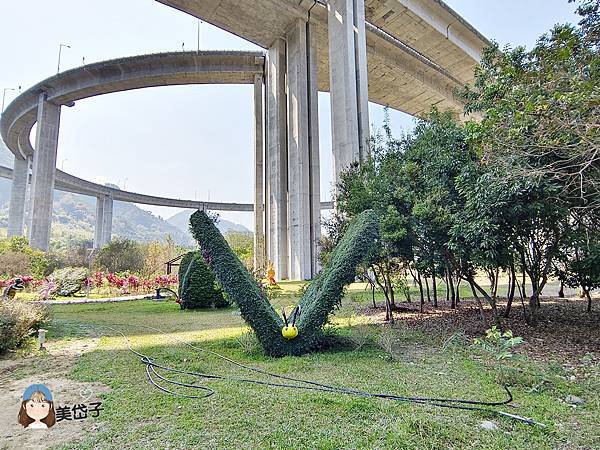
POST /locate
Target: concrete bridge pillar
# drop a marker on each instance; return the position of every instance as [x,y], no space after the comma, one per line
[107,217]
[348,82]
[259,179]
[43,174]
[18,194]
[276,159]
[99,227]
[303,152]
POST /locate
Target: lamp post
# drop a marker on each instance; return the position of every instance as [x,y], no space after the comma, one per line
[4,96]
[60,47]
[198,36]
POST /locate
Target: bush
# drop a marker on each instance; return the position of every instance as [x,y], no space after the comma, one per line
[18,320]
[69,280]
[321,297]
[31,262]
[120,255]
[14,263]
[198,288]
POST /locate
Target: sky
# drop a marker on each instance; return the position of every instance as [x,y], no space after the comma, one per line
[192,142]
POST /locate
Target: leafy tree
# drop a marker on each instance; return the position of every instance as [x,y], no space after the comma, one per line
[156,254]
[120,255]
[580,266]
[36,262]
[242,245]
[540,110]
[376,185]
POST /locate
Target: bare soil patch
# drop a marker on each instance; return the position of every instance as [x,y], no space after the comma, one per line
[50,368]
[566,332]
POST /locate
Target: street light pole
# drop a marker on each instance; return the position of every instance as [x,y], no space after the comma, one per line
[198,48]
[60,47]
[4,96]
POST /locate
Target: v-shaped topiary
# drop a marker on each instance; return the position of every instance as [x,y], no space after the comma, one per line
[322,295]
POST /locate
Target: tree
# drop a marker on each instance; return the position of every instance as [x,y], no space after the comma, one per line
[580,266]
[540,109]
[120,255]
[35,262]
[242,245]
[376,185]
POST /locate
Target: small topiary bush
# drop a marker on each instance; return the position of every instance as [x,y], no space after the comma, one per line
[198,287]
[69,280]
[18,320]
[319,300]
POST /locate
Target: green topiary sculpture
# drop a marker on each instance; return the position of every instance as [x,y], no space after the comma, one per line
[197,286]
[323,294]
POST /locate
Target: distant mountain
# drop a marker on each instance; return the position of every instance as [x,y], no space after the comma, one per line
[74,217]
[181,220]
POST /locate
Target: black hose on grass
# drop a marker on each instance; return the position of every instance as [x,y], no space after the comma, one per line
[151,366]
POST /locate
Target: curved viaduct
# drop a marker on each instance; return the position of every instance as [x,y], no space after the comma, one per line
[105,195]
[407,54]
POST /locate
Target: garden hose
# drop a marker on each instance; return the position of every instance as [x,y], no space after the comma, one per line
[152,374]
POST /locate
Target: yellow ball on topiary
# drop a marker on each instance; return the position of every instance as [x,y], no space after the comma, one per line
[289,331]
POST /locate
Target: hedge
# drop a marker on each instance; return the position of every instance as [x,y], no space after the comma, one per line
[319,300]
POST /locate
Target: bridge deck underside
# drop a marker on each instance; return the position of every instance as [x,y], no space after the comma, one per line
[395,79]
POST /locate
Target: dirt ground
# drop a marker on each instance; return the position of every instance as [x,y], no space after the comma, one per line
[56,363]
[566,332]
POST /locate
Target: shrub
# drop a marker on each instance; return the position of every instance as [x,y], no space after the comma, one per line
[34,262]
[321,297]
[18,320]
[69,280]
[198,287]
[120,255]
[14,263]
[497,343]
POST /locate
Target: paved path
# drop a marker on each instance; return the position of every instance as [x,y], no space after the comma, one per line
[76,301]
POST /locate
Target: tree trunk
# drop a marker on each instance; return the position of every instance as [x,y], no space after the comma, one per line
[427,288]
[451,289]
[489,299]
[434,286]
[512,279]
[479,304]
[561,290]
[385,292]
[388,282]
[373,295]
[458,291]
[589,299]
[420,283]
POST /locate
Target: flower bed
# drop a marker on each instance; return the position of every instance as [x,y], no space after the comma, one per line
[97,285]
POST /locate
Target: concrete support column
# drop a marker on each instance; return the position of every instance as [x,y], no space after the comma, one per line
[44,172]
[259,179]
[303,152]
[107,214]
[18,193]
[348,82]
[276,161]
[99,227]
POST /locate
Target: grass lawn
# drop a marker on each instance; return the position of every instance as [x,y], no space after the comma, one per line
[241,415]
